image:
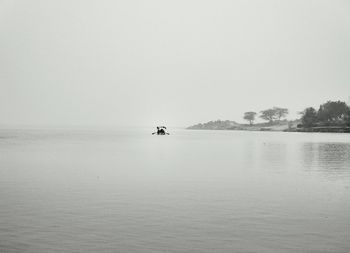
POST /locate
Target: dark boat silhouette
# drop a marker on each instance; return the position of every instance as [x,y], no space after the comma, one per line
[161,130]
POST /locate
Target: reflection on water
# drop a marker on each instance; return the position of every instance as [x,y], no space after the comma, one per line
[192,191]
[274,155]
[330,158]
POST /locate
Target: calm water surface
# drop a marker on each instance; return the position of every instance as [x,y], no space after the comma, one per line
[192,191]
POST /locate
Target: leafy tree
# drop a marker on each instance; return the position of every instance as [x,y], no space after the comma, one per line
[309,117]
[249,116]
[269,115]
[347,117]
[332,111]
[281,112]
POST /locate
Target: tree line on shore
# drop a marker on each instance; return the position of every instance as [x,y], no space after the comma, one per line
[270,115]
[331,113]
[332,116]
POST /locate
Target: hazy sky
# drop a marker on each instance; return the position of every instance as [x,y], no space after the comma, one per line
[177,62]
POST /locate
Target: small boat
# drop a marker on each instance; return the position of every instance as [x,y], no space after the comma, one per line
[161,130]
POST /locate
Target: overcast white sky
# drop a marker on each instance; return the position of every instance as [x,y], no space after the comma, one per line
[143,63]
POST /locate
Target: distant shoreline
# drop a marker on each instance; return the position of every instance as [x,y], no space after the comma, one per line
[334,129]
[281,126]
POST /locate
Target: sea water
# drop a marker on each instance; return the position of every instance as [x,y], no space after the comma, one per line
[125,190]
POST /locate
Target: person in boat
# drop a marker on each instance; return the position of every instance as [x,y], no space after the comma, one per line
[160,130]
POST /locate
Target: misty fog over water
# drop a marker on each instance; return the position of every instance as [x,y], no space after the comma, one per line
[204,191]
[84,84]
